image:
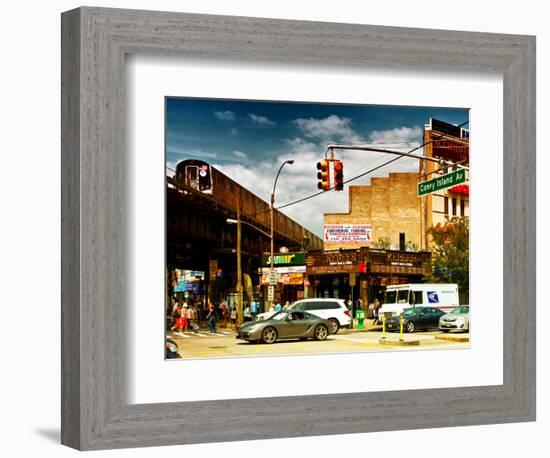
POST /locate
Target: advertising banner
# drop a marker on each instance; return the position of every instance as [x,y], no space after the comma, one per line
[348,233]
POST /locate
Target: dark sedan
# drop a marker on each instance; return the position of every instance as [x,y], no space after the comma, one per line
[416,318]
[287,324]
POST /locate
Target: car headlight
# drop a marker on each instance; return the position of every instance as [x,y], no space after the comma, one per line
[253,328]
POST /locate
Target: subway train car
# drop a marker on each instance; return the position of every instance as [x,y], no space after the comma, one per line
[202,177]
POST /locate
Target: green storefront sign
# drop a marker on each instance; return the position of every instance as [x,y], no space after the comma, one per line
[288,259]
[441,182]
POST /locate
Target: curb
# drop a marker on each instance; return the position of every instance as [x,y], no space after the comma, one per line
[453,338]
[408,342]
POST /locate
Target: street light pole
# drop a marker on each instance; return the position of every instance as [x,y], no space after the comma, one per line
[271,211]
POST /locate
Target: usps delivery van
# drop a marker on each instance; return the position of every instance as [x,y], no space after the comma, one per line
[402,297]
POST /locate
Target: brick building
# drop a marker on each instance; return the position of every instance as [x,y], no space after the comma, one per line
[450,143]
[383,238]
[390,205]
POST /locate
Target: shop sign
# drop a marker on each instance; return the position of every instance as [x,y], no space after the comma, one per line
[283,278]
[292,259]
[348,233]
[338,261]
[270,293]
[284,270]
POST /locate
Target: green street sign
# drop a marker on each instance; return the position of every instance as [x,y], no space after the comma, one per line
[442,182]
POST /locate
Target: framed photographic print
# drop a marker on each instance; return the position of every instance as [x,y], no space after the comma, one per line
[256,211]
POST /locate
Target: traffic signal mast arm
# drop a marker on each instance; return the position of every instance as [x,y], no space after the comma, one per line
[441,162]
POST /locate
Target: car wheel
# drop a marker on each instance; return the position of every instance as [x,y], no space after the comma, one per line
[334,325]
[410,326]
[269,335]
[321,332]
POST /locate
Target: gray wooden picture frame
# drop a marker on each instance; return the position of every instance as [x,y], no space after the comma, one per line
[95,41]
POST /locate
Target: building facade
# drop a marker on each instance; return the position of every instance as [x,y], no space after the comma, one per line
[452,144]
[390,206]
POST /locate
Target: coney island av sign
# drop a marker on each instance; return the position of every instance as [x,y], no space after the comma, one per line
[348,233]
[443,182]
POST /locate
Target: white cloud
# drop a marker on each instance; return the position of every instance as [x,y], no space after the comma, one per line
[331,128]
[225,115]
[261,120]
[300,179]
[240,154]
[234,132]
[397,135]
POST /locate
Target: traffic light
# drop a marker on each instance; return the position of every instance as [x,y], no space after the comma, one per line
[338,175]
[323,175]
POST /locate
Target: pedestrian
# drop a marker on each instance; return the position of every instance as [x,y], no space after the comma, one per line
[376,312]
[247,314]
[287,305]
[176,312]
[233,315]
[184,324]
[278,307]
[224,312]
[211,317]
[253,308]
[359,304]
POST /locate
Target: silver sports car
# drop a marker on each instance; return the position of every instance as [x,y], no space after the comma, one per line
[286,324]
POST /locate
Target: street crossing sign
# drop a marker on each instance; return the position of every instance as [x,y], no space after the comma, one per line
[441,182]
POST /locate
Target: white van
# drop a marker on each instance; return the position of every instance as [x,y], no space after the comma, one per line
[401,297]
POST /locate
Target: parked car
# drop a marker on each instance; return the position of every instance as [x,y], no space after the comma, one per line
[415,319]
[171,350]
[287,324]
[458,318]
[333,310]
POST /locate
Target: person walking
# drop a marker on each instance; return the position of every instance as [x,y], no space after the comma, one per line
[233,316]
[176,312]
[253,308]
[246,314]
[376,311]
[224,312]
[211,317]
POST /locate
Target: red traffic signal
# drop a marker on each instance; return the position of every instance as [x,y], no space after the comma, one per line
[323,175]
[338,175]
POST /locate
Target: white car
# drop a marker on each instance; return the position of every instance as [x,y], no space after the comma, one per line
[332,310]
[266,315]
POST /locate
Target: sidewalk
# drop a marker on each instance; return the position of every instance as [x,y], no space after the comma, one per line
[368,327]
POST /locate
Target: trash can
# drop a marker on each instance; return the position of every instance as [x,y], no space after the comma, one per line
[360,315]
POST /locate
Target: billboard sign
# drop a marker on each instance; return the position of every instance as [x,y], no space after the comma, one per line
[348,233]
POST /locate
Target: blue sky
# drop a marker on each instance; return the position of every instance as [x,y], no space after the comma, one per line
[248,140]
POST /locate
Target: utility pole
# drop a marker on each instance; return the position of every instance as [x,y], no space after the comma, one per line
[239,267]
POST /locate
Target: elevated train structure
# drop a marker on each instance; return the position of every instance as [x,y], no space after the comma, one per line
[199,200]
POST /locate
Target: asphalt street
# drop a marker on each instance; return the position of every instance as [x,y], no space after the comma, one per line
[224,344]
